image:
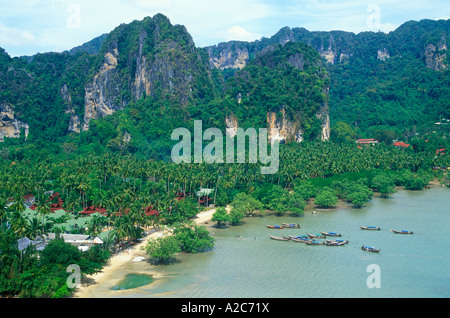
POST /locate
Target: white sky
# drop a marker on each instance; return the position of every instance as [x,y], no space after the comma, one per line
[31,26]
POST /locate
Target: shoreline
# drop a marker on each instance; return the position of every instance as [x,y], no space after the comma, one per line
[203,218]
[126,256]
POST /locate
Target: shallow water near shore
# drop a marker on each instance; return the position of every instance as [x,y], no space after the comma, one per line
[246,263]
[132,281]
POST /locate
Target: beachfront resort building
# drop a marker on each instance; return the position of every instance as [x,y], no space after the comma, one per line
[83,242]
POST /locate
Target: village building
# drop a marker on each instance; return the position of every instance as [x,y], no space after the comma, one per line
[83,242]
[367,141]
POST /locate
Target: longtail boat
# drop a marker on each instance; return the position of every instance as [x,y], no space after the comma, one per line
[370,249]
[297,238]
[373,228]
[315,235]
[278,238]
[290,226]
[336,242]
[330,234]
[402,232]
[311,242]
[301,239]
[278,227]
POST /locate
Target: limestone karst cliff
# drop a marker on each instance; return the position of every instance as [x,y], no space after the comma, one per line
[284,89]
[10,126]
[52,95]
[151,58]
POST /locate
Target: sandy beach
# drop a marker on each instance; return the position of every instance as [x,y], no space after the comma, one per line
[117,261]
[128,255]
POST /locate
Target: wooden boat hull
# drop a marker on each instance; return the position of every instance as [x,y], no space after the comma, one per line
[314,243]
[336,243]
[402,232]
[330,234]
[370,228]
[300,240]
[315,235]
[278,238]
[370,249]
[290,226]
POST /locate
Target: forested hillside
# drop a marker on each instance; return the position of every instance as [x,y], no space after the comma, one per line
[395,83]
[127,90]
[87,133]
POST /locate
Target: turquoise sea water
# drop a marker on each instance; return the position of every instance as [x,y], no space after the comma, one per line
[254,266]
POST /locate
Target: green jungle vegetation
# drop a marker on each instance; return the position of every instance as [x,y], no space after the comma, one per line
[398,98]
[312,172]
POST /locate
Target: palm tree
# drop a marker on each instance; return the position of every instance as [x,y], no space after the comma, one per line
[3,211]
[19,224]
[95,225]
[36,227]
[43,208]
[83,187]
[19,204]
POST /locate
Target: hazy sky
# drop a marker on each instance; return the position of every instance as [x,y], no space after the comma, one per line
[31,26]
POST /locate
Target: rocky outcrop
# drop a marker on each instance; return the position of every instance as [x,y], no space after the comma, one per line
[159,60]
[142,75]
[329,55]
[324,116]
[74,122]
[10,126]
[280,129]
[284,130]
[102,92]
[231,125]
[383,54]
[229,57]
[435,55]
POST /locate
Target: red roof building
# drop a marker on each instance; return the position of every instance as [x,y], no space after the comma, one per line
[93,209]
[400,144]
[53,206]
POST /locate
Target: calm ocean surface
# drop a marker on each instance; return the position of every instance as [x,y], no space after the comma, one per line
[255,266]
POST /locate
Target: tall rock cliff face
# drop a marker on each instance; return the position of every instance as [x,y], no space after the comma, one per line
[102,93]
[436,54]
[10,126]
[229,55]
[149,58]
[284,89]
[337,47]
[282,129]
[74,122]
[324,117]
[334,47]
[52,94]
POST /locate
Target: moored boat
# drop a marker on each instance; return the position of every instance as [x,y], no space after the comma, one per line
[312,242]
[336,242]
[330,234]
[370,249]
[290,225]
[376,228]
[275,227]
[315,235]
[301,239]
[278,238]
[402,232]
